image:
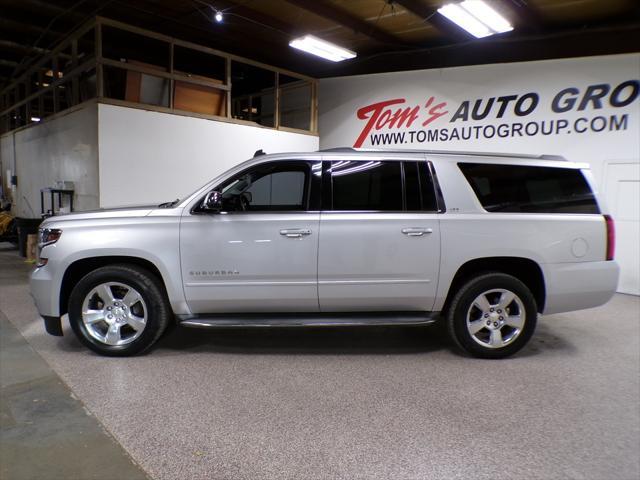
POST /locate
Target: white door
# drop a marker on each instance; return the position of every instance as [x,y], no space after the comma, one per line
[622,192]
[380,239]
[378,261]
[260,253]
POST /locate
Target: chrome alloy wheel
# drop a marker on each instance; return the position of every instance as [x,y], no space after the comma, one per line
[114,313]
[496,318]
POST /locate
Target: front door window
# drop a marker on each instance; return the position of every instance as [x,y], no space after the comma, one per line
[275,187]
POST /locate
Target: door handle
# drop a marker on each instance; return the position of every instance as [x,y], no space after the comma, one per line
[416,231]
[295,232]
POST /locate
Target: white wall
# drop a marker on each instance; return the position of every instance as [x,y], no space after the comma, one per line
[61,148]
[152,157]
[343,117]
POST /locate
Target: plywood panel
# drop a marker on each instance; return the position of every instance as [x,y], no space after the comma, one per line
[199,99]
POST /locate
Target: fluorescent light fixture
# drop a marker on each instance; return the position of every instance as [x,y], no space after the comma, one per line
[322,48]
[487,15]
[476,17]
[35,119]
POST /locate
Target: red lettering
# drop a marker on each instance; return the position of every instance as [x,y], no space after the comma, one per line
[379,116]
[372,113]
[383,119]
[406,117]
[434,112]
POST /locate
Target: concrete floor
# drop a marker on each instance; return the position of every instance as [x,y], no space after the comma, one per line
[370,403]
[45,433]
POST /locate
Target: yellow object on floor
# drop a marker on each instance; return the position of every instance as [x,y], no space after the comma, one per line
[5,221]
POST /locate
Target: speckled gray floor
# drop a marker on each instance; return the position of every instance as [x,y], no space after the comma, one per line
[374,403]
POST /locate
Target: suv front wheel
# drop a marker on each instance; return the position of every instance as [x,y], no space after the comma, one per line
[492,316]
[119,310]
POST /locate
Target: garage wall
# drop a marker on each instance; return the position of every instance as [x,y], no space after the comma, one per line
[587,109]
[152,157]
[60,148]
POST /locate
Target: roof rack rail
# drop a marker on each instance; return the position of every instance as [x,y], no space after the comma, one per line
[338,149]
[443,152]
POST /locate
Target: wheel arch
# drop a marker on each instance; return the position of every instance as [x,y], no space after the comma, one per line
[79,268]
[524,269]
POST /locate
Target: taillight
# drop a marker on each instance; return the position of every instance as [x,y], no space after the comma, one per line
[611,237]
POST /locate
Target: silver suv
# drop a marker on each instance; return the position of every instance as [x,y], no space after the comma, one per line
[483,242]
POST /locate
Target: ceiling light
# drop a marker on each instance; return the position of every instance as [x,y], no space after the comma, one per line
[476,17]
[218,17]
[487,15]
[322,48]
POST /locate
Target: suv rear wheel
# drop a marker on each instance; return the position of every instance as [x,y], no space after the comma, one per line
[119,310]
[492,316]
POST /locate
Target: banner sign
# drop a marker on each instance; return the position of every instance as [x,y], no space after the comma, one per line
[391,122]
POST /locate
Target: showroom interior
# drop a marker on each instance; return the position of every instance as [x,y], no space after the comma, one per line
[108,104]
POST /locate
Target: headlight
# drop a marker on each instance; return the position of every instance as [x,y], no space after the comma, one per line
[48,236]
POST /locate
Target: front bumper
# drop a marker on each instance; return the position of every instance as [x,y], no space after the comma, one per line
[45,293]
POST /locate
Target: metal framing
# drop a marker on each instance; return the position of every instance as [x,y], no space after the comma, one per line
[16,100]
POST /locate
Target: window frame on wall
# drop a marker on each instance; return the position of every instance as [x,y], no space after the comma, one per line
[281,89]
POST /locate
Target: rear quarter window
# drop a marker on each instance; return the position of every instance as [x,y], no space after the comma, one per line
[515,188]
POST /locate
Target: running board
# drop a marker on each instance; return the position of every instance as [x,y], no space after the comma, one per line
[307,320]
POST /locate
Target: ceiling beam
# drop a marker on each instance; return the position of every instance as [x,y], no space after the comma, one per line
[46,8]
[245,12]
[562,44]
[28,28]
[327,11]
[21,47]
[235,37]
[7,63]
[430,15]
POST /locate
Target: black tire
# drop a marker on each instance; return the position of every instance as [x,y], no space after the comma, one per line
[156,307]
[462,304]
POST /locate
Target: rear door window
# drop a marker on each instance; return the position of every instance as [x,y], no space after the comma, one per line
[529,189]
[372,186]
[420,194]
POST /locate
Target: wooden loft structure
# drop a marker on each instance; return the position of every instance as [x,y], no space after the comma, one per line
[116,63]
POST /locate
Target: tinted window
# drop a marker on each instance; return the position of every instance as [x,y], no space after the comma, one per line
[419,189]
[279,188]
[373,185]
[509,188]
[413,189]
[270,187]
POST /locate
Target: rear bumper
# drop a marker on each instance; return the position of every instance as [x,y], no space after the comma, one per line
[576,286]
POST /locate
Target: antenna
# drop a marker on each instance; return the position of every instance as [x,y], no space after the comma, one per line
[258,153]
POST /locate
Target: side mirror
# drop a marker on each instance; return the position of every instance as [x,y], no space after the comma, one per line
[212,202]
